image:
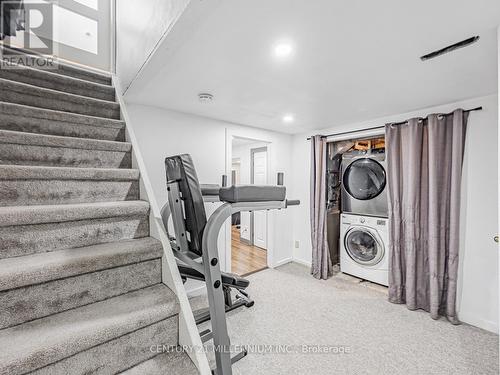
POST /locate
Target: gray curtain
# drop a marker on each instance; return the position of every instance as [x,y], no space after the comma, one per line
[424,161]
[321,262]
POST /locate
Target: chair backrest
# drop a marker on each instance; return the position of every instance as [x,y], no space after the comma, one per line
[180,169]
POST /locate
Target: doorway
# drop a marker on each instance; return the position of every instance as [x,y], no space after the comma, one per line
[249,165]
[349,184]
[81,33]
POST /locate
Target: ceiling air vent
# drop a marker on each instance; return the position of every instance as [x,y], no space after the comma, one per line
[453,47]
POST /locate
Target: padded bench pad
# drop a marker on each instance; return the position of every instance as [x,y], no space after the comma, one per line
[252,193]
[209,189]
[229,279]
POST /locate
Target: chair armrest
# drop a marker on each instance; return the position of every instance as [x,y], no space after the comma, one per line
[252,193]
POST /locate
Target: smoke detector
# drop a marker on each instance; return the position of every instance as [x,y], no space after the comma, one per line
[205,97]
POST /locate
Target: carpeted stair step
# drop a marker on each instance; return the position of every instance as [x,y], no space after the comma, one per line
[21,93]
[21,148]
[27,185]
[38,285]
[49,80]
[80,277]
[105,337]
[28,230]
[28,119]
[54,65]
[175,362]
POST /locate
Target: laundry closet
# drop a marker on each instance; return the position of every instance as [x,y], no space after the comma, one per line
[357,207]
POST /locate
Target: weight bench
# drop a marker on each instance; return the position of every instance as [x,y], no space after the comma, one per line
[195,242]
[230,281]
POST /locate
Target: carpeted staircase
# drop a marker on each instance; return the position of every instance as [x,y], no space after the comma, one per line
[80,278]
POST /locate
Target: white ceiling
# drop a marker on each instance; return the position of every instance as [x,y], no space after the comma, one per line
[353,60]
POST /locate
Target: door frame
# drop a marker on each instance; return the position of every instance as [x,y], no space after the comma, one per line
[253,151]
[271,170]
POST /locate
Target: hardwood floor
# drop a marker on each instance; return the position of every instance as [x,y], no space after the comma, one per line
[245,259]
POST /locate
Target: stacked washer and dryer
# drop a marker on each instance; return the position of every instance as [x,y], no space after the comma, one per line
[364,219]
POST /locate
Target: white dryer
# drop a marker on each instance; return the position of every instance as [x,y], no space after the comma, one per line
[364,247]
[364,180]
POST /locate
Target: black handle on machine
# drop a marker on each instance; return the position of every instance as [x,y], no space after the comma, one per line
[292,202]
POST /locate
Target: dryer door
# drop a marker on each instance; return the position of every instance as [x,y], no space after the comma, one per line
[364,246]
[364,179]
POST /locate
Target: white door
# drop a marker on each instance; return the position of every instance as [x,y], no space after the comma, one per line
[259,170]
[89,41]
[81,32]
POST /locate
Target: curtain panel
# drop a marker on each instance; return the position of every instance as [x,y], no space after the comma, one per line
[321,261]
[424,161]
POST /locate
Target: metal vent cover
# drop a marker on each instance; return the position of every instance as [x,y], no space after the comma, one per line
[450,48]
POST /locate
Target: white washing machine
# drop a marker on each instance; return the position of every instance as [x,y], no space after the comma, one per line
[364,247]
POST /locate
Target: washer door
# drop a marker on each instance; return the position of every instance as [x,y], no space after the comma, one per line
[364,179]
[363,246]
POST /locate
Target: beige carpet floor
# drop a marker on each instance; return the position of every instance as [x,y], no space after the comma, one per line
[295,314]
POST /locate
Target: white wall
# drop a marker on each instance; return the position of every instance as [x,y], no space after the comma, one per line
[163,133]
[140,27]
[478,284]
[498,177]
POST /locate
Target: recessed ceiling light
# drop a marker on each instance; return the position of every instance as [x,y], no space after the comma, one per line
[283,49]
[287,119]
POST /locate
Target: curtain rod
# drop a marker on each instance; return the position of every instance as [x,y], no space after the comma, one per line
[392,123]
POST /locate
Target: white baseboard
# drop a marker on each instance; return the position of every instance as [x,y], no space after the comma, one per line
[283,261]
[480,323]
[301,261]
